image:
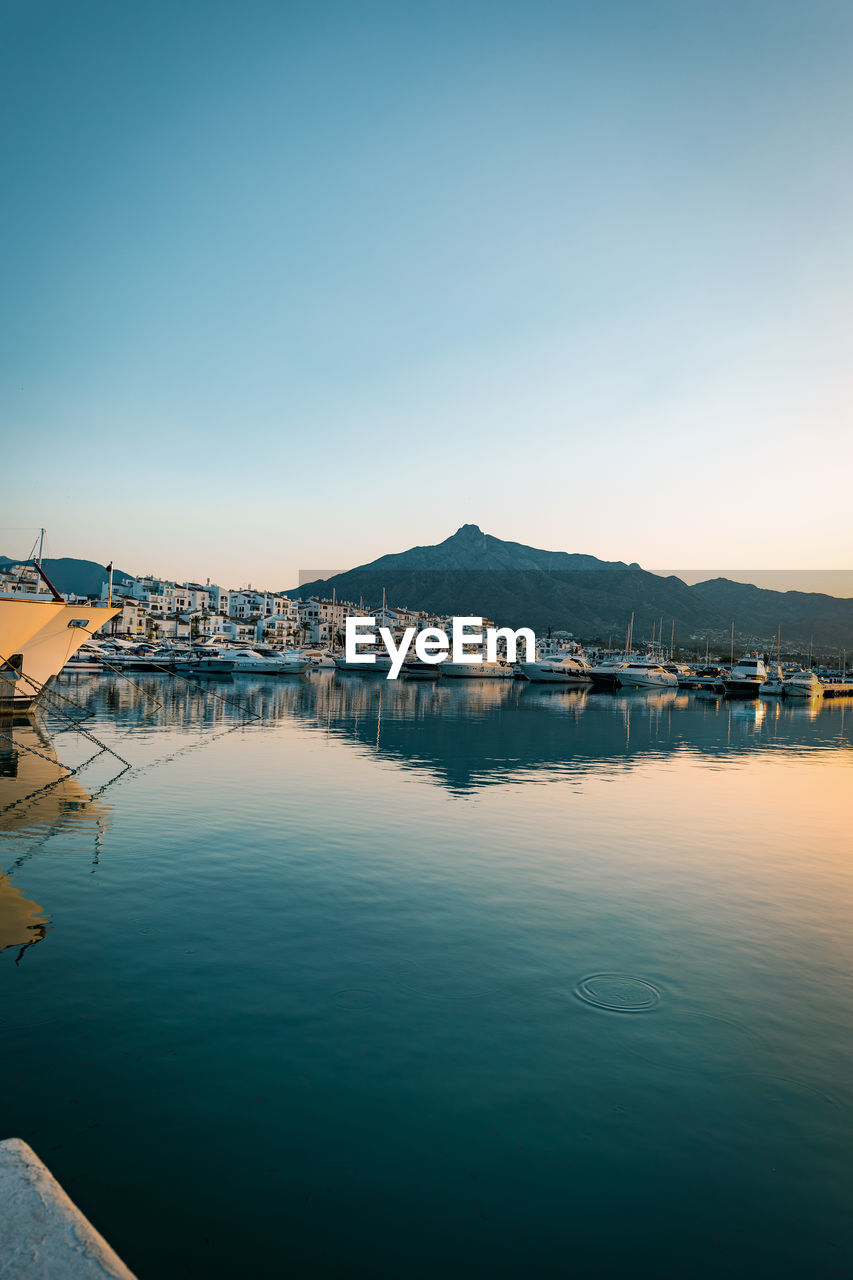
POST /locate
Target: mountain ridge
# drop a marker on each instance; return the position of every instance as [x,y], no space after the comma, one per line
[474,572]
[71,576]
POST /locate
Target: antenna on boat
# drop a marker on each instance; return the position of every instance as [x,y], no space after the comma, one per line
[41,544]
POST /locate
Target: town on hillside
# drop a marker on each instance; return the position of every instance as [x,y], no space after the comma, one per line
[158,609]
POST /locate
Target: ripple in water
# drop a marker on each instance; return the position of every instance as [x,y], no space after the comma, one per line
[617,992]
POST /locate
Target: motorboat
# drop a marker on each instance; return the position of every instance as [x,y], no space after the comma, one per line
[683,673]
[803,684]
[380,666]
[318,659]
[711,679]
[476,670]
[566,671]
[414,669]
[207,662]
[746,677]
[604,675]
[775,686]
[267,662]
[82,664]
[645,673]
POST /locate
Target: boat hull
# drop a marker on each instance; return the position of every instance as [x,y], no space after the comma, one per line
[464,671]
[538,674]
[380,667]
[49,648]
[742,688]
[603,679]
[803,691]
[650,681]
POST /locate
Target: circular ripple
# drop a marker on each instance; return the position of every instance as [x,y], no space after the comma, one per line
[617,992]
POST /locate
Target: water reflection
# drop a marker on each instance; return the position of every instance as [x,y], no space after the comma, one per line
[468,735]
[40,795]
[390,986]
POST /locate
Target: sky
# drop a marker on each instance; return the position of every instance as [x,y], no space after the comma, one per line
[296,285]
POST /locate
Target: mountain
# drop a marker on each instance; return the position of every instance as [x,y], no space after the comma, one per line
[472,572]
[470,548]
[803,615]
[77,577]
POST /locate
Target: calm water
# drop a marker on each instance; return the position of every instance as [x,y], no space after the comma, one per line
[404,979]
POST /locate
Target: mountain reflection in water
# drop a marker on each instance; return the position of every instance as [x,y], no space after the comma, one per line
[470,734]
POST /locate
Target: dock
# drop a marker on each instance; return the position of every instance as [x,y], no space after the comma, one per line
[43,1235]
[838,689]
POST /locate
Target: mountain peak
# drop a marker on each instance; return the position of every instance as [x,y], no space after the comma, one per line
[469,531]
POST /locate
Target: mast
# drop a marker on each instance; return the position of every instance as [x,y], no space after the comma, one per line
[41,544]
[732,659]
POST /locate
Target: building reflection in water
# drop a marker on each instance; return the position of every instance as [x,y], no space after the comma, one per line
[466,735]
[460,735]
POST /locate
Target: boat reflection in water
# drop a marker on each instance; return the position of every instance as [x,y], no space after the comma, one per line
[39,796]
[469,734]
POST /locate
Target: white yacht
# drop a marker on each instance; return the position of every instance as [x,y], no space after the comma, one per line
[604,675]
[267,662]
[803,684]
[746,677]
[645,673]
[775,686]
[318,659]
[87,660]
[476,671]
[381,666]
[567,671]
[208,661]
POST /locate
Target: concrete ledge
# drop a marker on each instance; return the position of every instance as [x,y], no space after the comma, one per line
[43,1235]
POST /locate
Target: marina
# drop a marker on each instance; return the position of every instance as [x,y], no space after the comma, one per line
[403,873]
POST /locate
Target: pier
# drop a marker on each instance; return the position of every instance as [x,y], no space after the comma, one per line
[43,1235]
[838,689]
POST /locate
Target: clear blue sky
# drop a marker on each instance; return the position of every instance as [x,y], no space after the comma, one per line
[293,285]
